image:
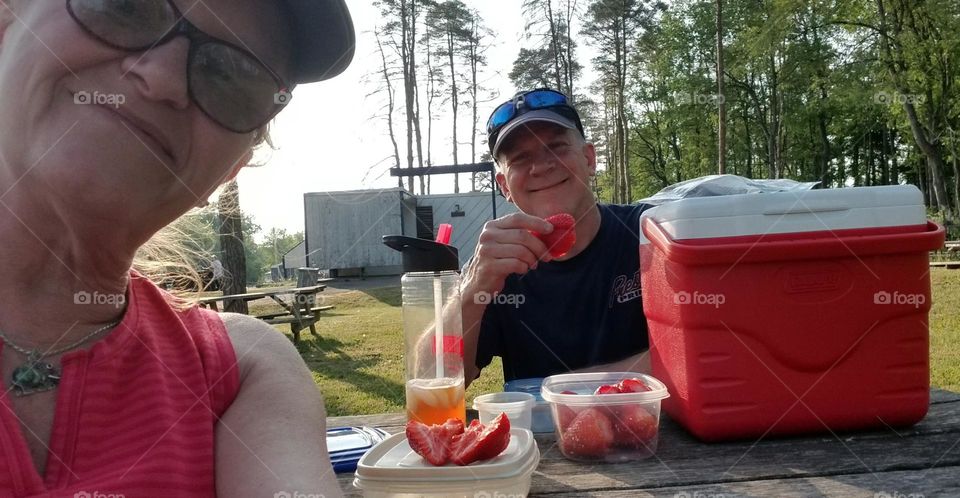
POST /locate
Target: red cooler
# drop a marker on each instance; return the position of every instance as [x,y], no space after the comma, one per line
[792,312]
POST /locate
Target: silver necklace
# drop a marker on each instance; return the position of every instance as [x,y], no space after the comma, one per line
[36,375]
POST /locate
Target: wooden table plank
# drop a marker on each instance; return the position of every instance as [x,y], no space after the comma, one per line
[901,484]
[820,464]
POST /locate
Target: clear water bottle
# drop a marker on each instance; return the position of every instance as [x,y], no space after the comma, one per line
[432,329]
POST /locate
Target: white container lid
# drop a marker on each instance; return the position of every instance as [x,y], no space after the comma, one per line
[392,466]
[790,212]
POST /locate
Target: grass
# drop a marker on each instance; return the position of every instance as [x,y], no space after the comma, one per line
[358,364]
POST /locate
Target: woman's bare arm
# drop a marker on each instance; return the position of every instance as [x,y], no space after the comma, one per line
[272,439]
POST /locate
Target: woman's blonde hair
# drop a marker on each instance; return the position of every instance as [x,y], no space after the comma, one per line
[171,257]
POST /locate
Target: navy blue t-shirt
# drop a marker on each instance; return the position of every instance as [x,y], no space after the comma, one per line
[567,315]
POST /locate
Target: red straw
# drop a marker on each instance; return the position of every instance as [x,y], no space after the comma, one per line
[444,232]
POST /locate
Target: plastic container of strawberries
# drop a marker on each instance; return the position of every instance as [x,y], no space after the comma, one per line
[592,427]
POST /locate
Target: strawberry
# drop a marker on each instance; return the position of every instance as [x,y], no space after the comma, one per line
[632,386]
[608,389]
[565,414]
[452,427]
[563,236]
[633,426]
[430,442]
[479,442]
[589,435]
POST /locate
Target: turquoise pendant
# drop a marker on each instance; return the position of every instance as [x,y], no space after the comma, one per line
[35,376]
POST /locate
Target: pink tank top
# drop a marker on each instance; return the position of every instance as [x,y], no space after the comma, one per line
[136,413]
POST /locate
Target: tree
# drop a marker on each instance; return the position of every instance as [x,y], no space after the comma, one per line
[721,97]
[404,19]
[233,257]
[448,22]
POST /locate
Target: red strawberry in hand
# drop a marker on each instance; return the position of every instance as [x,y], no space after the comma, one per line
[563,236]
[589,435]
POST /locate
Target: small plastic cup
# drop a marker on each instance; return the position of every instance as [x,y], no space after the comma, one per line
[517,406]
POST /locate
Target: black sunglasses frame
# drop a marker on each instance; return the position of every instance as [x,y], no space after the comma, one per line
[197,39]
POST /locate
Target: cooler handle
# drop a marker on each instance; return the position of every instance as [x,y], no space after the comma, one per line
[806,207]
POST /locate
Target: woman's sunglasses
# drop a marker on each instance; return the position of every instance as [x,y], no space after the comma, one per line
[541,98]
[227,83]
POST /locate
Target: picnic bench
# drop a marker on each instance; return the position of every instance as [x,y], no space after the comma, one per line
[299,307]
[918,461]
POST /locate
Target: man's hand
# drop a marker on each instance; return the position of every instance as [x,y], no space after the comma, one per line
[506,246]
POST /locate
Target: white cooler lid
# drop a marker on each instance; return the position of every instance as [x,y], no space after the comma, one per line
[790,212]
[393,463]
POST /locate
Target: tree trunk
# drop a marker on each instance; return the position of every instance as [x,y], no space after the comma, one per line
[405,58]
[231,245]
[721,97]
[390,107]
[454,104]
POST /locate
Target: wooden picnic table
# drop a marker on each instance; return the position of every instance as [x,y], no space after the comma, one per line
[918,461]
[297,303]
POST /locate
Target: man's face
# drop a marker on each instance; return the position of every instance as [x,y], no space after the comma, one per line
[545,169]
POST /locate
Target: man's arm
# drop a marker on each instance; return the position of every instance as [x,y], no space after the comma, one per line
[273,437]
[505,246]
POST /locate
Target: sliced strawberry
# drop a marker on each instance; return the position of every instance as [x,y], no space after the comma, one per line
[632,386]
[608,389]
[633,426]
[430,442]
[563,236]
[452,427]
[589,435]
[479,442]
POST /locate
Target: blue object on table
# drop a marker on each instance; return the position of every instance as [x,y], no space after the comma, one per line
[347,445]
[542,419]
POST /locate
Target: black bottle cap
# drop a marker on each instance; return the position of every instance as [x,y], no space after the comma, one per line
[423,254]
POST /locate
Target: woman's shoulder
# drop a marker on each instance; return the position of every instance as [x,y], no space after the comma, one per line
[256,344]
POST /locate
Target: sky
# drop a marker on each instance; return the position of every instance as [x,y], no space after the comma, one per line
[328,139]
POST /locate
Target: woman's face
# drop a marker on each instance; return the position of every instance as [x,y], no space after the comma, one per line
[141,150]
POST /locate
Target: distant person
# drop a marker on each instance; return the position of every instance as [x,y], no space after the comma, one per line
[116,118]
[216,274]
[544,315]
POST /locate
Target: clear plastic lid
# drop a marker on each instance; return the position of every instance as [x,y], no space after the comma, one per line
[584,385]
[394,462]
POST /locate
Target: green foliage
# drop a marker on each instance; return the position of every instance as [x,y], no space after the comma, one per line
[815,91]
